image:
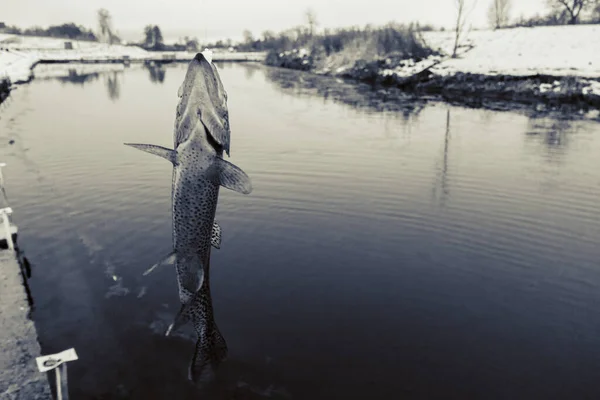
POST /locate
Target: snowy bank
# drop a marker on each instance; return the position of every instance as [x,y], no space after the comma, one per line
[19,54]
[555,65]
[548,50]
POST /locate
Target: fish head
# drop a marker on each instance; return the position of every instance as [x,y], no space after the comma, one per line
[203,100]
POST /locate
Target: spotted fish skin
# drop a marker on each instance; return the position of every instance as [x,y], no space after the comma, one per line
[201,136]
[211,348]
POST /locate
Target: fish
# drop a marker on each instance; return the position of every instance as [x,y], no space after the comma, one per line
[201,136]
[211,348]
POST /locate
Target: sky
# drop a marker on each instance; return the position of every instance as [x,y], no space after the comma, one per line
[218,19]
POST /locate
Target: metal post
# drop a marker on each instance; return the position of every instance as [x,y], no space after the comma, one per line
[58,384]
[58,362]
[63,381]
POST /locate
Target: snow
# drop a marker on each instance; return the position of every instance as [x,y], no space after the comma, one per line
[592,87]
[16,66]
[552,50]
[208,54]
[555,51]
[18,54]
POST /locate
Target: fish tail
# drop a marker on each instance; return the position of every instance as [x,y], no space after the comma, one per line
[220,345]
[208,355]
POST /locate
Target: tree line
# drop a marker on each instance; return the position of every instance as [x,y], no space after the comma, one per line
[556,12]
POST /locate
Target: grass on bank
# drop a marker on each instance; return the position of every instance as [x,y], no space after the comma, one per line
[341,48]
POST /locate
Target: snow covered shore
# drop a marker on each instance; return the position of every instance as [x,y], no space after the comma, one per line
[19,54]
[558,64]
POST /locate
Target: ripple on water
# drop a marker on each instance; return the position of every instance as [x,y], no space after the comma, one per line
[423,248]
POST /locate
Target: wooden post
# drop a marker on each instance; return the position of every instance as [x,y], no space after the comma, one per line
[5,212]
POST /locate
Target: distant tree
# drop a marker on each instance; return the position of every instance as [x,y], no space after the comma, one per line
[268,36]
[2,25]
[148,36]
[462,16]
[572,7]
[311,20]
[105,25]
[158,37]
[70,31]
[596,13]
[13,30]
[498,13]
[248,38]
[153,38]
[192,44]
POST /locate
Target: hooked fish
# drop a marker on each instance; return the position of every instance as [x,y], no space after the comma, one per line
[211,348]
[201,135]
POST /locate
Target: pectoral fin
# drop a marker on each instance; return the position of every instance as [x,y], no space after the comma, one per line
[215,239]
[169,259]
[160,151]
[232,177]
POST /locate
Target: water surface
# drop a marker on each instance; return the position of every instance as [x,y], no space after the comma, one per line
[388,250]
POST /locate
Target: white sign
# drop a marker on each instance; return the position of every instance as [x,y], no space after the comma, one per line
[46,363]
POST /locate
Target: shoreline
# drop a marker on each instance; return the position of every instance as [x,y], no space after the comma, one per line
[553,67]
[17,65]
[537,91]
[516,68]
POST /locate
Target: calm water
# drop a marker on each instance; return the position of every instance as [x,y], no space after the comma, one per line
[401,250]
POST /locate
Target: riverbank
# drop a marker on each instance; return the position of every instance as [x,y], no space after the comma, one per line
[20,54]
[552,67]
[19,376]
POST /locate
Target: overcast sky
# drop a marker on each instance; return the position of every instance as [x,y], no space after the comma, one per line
[213,19]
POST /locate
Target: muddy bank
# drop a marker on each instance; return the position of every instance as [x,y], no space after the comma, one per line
[417,77]
[4,89]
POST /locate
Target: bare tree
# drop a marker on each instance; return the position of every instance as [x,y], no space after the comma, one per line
[248,37]
[462,16]
[498,13]
[572,7]
[311,20]
[596,13]
[105,24]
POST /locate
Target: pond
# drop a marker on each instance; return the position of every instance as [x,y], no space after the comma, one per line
[389,249]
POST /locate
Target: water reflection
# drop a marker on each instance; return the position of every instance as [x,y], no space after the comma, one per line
[74,73]
[157,72]
[553,133]
[113,86]
[74,77]
[359,96]
[506,271]
[250,69]
[441,185]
